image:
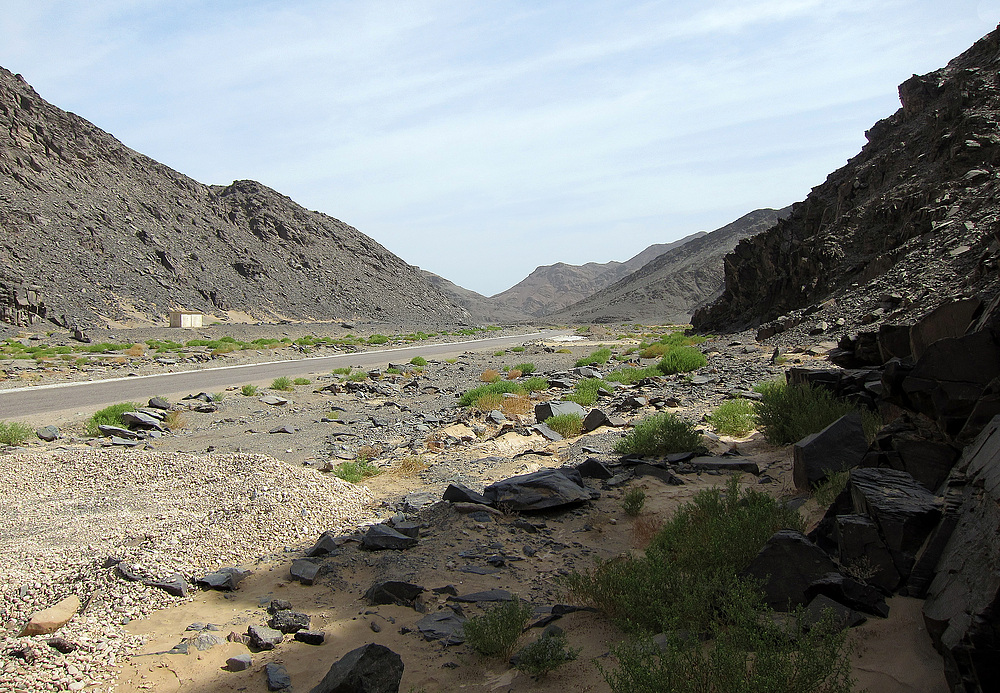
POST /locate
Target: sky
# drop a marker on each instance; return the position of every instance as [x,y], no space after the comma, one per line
[480,139]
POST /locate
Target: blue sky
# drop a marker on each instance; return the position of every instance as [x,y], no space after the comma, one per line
[480,139]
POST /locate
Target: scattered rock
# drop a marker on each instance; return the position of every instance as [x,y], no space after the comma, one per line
[264,638]
[277,677]
[393,592]
[541,490]
[304,571]
[240,662]
[371,668]
[379,537]
[53,618]
[47,433]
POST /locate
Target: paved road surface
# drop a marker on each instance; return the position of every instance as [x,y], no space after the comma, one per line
[91,395]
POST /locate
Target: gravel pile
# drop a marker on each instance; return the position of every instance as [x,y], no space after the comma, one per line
[72,516]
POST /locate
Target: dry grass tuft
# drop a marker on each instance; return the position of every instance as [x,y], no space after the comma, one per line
[489,402]
[369,452]
[514,374]
[175,420]
[490,375]
[516,406]
[433,441]
[644,528]
[409,466]
[136,350]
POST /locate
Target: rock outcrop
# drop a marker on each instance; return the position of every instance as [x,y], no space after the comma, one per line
[909,222]
[103,233]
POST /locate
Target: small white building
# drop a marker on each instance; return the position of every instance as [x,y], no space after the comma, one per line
[185,318]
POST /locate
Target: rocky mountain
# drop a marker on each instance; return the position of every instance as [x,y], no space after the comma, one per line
[673,284]
[92,232]
[908,223]
[550,288]
[481,309]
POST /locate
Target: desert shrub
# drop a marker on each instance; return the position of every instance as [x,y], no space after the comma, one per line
[599,357]
[586,391]
[681,360]
[634,501]
[735,417]
[282,383]
[301,381]
[135,350]
[517,349]
[378,339]
[827,492]
[418,361]
[109,416]
[499,387]
[545,654]
[175,420]
[499,352]
[788,413]
[102,348]
[346,370]
[660,434]
[525,368]
[536,384]
[566,425]
[495,633]
[408,466]
[249,390]
[490,375]
[513,374]
[218,396]
[628,375]
[748,654]
[357,377]
[691,564]
[14,432]
[563,351]
[357,471]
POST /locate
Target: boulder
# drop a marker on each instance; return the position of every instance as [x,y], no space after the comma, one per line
[494,595]
[849,592]
[53,618]
[593,468]
[264,638]
[393,592]
[594,420]
[379,537]
[370,668]
[913,444]
[960,610]
[843,616]
[837,448]
[460,493]
[950,319]
[904,511]
[326,544]
[288,621]
[139,419]
[304,571]
[240,662]
[223,579]
[311,637]
[541,490]
[546,432]
[277,677]
[47,433]
[861,549]
[546,410]
[159,403]
[444,625]
[174,585]
[786,566]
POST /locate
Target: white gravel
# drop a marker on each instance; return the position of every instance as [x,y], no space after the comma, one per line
[64,513]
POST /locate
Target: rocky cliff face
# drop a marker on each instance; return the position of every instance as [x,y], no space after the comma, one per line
[103,234]
[907,223]
[671,286]
[549,288]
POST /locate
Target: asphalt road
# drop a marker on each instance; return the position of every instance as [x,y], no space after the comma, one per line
[91,395]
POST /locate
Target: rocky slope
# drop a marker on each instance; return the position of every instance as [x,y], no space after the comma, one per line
[672,285]
[481,309]
[96,232]
[906,224]
[550,288]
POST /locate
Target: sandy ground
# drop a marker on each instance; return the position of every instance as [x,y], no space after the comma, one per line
[891,655]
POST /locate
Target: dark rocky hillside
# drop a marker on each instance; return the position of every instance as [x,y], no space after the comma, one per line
[481,309]
[909,222]
[670,287]
[549,288]
[96,232]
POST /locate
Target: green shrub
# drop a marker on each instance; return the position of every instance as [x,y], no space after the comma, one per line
[378,339]
[357,471]
[495,633]
[418,361]
[109,416]
[282,383]
[660,434]
[517,349]
[341,371]
[691,564]
[218,396]
[628,375]
[751,653]
[249,390]
[497,388]
[525,368]
[681,360]
[301,381]
[788,413]
[357,377]
[586,391]
[566,425]
[599,357]
[14,432]
[827,492]
[545,654]
[735,417]
[535,384]
[499,353]
[634,501]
